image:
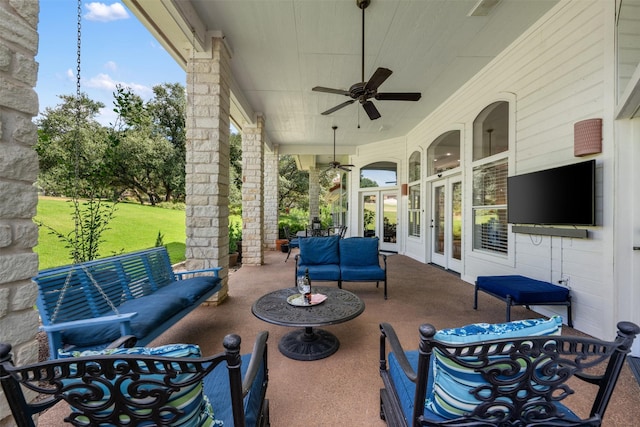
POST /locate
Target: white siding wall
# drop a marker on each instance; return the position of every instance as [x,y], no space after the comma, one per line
[556,74]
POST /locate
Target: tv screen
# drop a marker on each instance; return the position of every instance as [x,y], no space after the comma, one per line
[558,196]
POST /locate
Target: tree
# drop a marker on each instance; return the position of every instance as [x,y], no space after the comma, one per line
[168,113]
[293,185]
[235,170]
[147,161]
[73,149]
[75,153]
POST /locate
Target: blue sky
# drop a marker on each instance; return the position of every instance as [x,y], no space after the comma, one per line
[116,49]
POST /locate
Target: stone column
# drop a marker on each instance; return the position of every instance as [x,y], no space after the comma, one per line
[314,193]
[18,172]
[253,193]
[207,165]
[271,174]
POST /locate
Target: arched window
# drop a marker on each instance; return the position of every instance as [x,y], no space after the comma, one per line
[490,138]
[414,166]
[379,174]
[444,153]
[491,131]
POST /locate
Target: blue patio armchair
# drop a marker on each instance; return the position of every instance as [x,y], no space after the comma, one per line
[294,241]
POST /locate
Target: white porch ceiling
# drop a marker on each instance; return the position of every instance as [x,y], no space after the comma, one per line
[283,48]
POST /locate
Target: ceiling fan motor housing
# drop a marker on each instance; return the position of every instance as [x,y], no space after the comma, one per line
[363,4]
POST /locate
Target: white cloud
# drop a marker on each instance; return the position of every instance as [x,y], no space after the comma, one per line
[111,66]
[105,82]
[105,13]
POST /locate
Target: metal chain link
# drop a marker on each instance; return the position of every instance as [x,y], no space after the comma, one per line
[79,45]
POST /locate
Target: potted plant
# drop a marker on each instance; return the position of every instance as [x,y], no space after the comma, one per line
[235,236]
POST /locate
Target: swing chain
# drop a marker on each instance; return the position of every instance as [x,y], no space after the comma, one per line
[95,284]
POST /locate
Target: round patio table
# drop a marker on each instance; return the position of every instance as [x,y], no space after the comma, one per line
[309,343]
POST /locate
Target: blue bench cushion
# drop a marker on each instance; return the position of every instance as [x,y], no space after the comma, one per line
[198,411]
[216,388]
[359,251]
[152,310]
[320,250]
[523,290]
[192,289]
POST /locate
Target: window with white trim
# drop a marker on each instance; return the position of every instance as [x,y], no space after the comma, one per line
[490,207]
[489,202]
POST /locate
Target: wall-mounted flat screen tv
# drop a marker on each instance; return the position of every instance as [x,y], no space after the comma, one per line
[560,196]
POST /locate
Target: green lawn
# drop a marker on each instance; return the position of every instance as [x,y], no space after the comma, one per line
[133,227]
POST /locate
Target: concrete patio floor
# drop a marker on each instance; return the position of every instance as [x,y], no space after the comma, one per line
[343,389]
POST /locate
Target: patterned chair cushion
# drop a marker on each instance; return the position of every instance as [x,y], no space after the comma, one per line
[190,399]
[449,385]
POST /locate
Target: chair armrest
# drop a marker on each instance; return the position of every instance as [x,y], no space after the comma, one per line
[389,333]
[258,356]
[75,324]
[214,270]
[384,259]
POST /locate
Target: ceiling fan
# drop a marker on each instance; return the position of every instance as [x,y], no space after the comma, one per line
[365,90]
[335,164]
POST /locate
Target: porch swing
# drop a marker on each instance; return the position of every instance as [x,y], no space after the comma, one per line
[121,299]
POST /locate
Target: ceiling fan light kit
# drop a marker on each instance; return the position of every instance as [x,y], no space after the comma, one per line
[365,90]
[336,164]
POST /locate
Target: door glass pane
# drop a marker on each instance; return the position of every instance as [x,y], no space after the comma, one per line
[390,217]
[414,210]
[438,216]
[369,215]
[456,220]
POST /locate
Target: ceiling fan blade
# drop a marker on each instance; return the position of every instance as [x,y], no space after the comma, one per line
[378,77]
[330,90]
[398,96]
[371,110]
[349,166]
[344,168]
[337,107]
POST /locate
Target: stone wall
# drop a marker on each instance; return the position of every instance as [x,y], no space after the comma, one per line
[18,172]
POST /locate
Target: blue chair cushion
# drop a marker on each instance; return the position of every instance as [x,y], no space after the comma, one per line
[320,250]
[449,384]
[359,251]
[198,411]
[449,389]
[192,288]
[216,388]
[362,273]
[156,309]
[294,243]
[329,272]
[523,290]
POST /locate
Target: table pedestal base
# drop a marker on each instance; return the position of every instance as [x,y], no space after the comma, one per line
[308,344]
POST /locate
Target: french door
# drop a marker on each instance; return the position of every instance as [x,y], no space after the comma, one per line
[446,223]
[380,217]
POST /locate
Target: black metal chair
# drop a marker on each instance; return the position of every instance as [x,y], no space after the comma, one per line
[514,381]
[144,386]
[294,241]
